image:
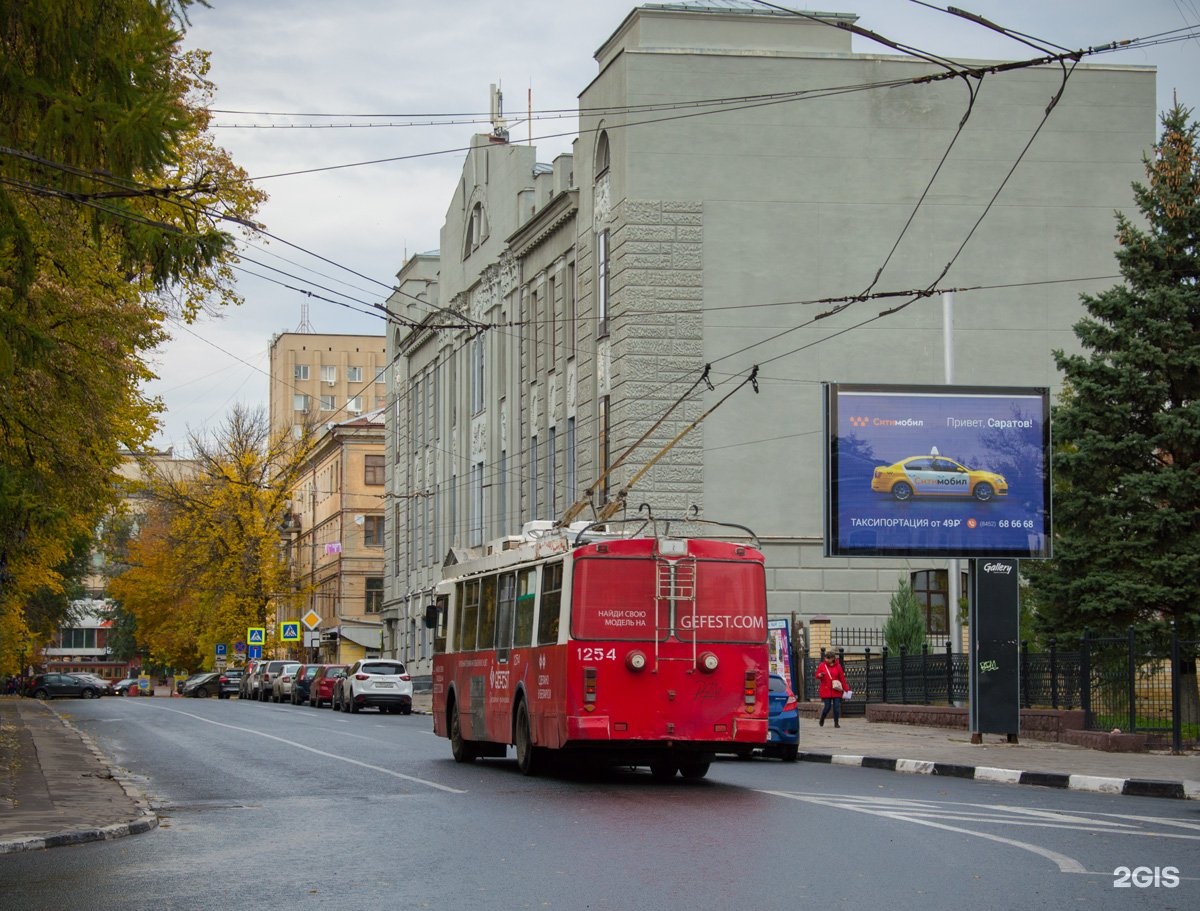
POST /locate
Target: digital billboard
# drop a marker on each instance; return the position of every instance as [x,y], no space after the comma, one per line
[937,471]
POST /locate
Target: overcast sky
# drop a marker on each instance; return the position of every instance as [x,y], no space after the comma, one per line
[403,57]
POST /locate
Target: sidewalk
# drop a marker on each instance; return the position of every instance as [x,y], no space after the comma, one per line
[57,788]
[945,751]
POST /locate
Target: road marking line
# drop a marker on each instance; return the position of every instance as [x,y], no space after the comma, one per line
[1064,863]
[301,746]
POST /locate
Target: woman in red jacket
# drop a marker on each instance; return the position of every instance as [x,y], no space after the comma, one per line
[832,684]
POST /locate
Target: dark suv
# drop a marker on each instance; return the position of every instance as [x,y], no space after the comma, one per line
[231,682]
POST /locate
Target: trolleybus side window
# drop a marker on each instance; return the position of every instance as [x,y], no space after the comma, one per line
[504,615]
[487,613]
[439,630]
[523,627]
[551,602]
[468,616]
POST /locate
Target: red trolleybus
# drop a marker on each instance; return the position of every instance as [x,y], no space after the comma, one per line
[647,648]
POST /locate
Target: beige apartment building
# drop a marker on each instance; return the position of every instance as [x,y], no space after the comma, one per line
[335,537]
[318,378]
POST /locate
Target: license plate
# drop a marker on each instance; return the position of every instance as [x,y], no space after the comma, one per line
[384,683]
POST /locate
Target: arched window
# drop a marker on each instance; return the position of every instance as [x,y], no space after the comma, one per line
[477,230]
[603,156]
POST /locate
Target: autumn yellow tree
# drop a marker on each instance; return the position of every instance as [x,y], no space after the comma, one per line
[117,212]
[211,564]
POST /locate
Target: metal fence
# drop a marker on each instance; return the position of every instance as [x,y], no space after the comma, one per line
[1143,682]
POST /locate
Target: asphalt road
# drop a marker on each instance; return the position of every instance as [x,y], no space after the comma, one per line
[285,807]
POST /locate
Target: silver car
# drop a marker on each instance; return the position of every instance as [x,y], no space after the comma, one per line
[281,686]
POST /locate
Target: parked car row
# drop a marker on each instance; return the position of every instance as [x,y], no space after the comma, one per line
[381,683]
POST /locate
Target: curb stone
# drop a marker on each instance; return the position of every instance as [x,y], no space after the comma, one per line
[1134,787]
[145,820]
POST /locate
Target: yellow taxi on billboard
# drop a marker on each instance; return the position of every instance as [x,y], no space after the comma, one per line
[934,475]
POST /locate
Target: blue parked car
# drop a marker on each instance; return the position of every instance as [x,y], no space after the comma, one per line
[783,738]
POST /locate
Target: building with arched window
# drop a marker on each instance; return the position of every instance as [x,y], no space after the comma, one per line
[603,289]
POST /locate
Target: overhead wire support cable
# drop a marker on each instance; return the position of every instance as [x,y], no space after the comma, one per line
[579,505]
[615,505]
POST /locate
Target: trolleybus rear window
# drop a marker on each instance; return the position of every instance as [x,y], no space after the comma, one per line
[624,599]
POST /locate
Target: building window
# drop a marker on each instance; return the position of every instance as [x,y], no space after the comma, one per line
[300,372]
[431,541]
[373,469]
[374,594]
[373,531]
[569,310]
[502,480]
[552,471]
[329,374]
[329,403]
[570,461]
[354,404]
[552,322]
[477,374]
[603,451]
[397,553]
[602,283]
[300,402]
[533,478]
[354,374]
[931,587]
[535,334]
[476,504]
[78,638]
[477,230]
[603,155]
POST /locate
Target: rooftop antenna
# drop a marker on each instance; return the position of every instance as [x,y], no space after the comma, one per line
[305,325]
[499,124]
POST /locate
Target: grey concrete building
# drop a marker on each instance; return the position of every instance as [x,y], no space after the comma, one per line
[740,173]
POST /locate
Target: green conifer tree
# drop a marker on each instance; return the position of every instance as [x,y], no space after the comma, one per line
[1127,426]
[906,625]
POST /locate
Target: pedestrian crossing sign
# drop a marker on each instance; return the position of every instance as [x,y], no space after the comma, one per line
[256,635]
[289,631]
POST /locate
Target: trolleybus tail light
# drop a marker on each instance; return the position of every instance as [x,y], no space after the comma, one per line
[708,662]
[589,684]
[636,660]
[751,688]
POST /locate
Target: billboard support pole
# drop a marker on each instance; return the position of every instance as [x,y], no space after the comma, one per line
[954,573]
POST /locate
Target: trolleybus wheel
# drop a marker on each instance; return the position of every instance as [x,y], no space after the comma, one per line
[462,750]
[663,771]
[530,759]
[693,771]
